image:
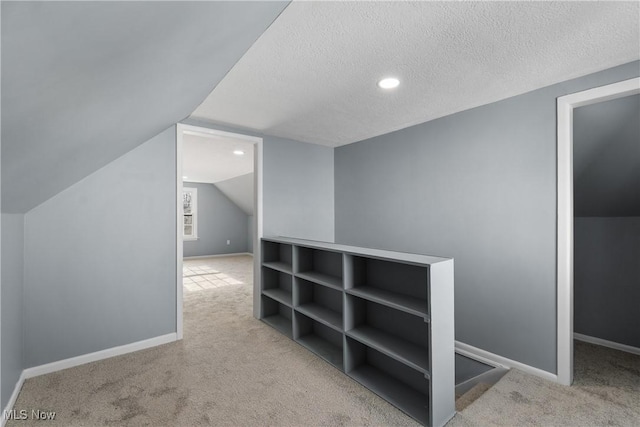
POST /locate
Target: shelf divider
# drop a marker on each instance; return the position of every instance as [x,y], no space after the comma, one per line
[322,314]
[395,300]
[279,295]
[279,266]
[321,279]
[401,350]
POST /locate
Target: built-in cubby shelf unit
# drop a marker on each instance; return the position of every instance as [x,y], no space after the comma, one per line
[384,318]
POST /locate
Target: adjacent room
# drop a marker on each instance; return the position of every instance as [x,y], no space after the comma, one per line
[218,208]
[320,213]
[607,235]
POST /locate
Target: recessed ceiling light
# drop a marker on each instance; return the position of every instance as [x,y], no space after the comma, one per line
[238,152]
[388,83]
[185,177]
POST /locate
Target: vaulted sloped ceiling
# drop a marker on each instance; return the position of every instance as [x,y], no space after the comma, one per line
[85,82]
[240,190]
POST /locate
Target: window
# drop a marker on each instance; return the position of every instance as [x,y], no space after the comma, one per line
[190,213]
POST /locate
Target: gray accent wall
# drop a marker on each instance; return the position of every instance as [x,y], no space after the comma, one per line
[219,220]
[607,278]
[12,304]
[298,190]
[99,270]
[479,186]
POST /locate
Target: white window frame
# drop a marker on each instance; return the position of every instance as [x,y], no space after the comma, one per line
[194,214]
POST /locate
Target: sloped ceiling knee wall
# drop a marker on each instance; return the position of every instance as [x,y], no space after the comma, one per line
[85,82]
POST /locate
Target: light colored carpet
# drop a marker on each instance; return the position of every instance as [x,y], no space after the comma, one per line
[230,370]
[606,392]
[233,370]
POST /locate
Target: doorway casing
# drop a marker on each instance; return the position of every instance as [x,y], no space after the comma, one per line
[564,308]
[257,218]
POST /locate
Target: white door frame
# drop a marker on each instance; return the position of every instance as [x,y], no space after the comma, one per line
[566,105]
[257,216]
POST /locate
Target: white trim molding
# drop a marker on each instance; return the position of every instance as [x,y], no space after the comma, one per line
[499,361]
[606,343]
[12,400]
[179,230]
[218,256]
[566,105]
[98,355]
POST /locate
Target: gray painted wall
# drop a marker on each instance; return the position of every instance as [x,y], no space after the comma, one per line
[480,186]
[606,158]
[12,303]
[219,220]
[98,258]
[607,278]
[74,74]
[298,190]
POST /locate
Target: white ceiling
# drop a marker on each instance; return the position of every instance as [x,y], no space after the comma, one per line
[312,74]
[210,159]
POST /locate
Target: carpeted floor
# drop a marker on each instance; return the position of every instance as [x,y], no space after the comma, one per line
[230,369]
[233,370]
[606,392]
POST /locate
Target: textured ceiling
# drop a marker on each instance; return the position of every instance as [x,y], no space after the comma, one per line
[85,82]
[312,75]
[211,159]
[606,160]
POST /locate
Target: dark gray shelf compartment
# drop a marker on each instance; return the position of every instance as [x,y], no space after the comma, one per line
[320,339]
[320,303]
[397,285]
[277,285]
[322,279]
[397,334]
[277,315]
[320,266]
[278,256]
[391,380]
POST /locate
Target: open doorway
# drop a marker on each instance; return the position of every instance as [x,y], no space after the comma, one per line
[219,188]
[567,108]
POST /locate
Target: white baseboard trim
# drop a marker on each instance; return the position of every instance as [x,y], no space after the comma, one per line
[605,343]
[495,360]
[217,256]
[98,355]
[12,399]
